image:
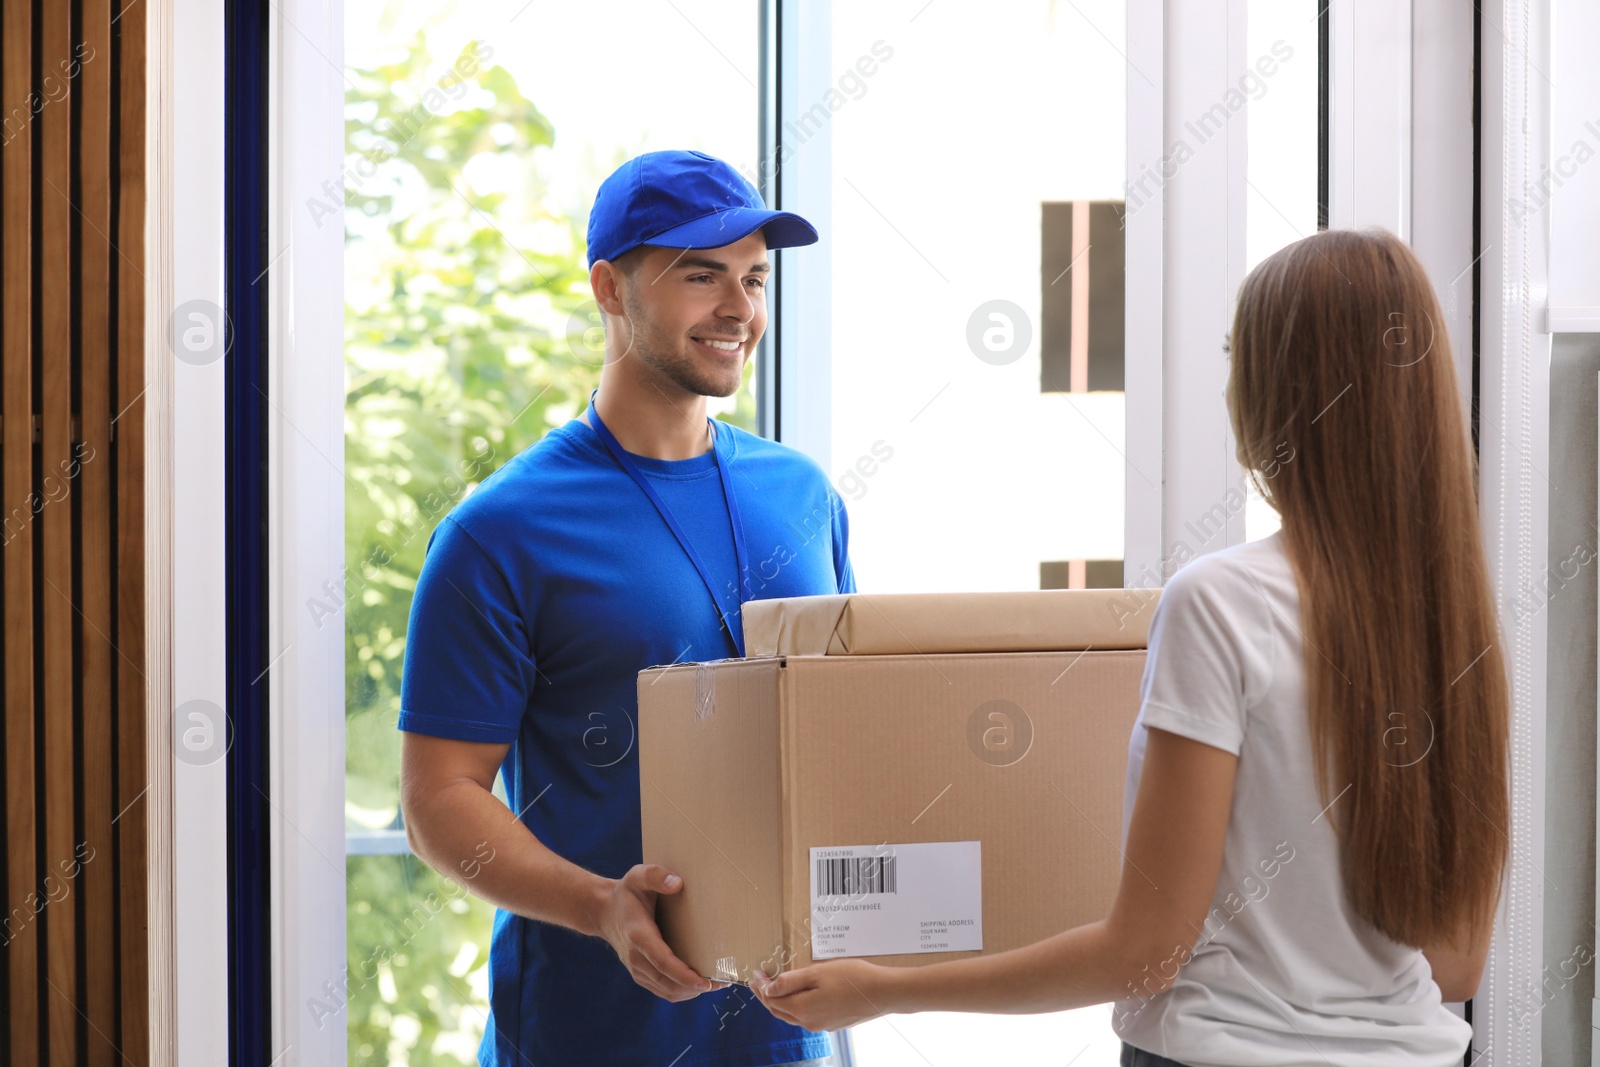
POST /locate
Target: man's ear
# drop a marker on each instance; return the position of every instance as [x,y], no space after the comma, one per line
[606,281]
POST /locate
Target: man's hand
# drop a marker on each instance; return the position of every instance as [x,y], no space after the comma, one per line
[627,920]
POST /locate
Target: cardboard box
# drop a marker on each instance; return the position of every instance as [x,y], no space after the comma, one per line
[878,624]
[915,803]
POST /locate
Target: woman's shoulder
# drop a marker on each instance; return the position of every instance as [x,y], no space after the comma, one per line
[1227,610]
[1255,568]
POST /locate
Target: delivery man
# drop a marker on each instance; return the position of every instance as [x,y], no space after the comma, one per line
[627,538]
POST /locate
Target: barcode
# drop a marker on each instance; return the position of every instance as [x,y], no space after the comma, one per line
[854,876]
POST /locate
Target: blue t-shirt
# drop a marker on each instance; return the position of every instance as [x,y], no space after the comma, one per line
[542,596]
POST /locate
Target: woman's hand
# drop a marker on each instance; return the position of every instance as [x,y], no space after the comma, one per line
[826,996]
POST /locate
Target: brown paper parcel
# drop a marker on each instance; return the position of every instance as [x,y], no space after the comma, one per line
[941,801]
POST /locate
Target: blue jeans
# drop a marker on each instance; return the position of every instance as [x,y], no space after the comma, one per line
[1138,1057]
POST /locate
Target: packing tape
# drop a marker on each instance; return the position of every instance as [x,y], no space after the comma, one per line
[705,691]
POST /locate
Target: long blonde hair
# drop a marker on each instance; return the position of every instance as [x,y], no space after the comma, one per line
[1339,351]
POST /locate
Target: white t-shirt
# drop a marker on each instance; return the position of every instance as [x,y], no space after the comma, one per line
[1285,973]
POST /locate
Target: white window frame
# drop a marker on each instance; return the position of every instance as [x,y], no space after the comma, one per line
[1185,256]
[1574,213]
[1514,495]
[186,534]
[306,486]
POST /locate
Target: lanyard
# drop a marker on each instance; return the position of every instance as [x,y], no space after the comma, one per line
[739,554]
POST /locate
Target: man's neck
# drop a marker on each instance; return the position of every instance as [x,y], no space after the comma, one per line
[647,421]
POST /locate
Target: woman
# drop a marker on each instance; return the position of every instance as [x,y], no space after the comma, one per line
[1318,773]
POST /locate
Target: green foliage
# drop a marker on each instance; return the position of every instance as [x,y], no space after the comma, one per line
[418,946]
[458,348]
[461,299]
[469,333]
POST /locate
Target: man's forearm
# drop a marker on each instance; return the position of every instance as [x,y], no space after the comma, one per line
[464,832]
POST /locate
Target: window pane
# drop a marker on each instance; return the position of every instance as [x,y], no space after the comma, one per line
[416,954]
[1281,147]
[977,346]
[977,300]
[476,136]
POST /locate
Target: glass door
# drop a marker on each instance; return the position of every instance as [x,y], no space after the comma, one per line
[476,135]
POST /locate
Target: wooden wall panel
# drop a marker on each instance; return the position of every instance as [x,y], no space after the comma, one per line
[74,981]
[53,299]
[128,437]
[21,933]
[95,511]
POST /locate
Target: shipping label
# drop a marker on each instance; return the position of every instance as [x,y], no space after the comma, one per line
[888,899]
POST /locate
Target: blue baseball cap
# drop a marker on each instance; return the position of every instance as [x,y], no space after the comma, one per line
[684,200]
